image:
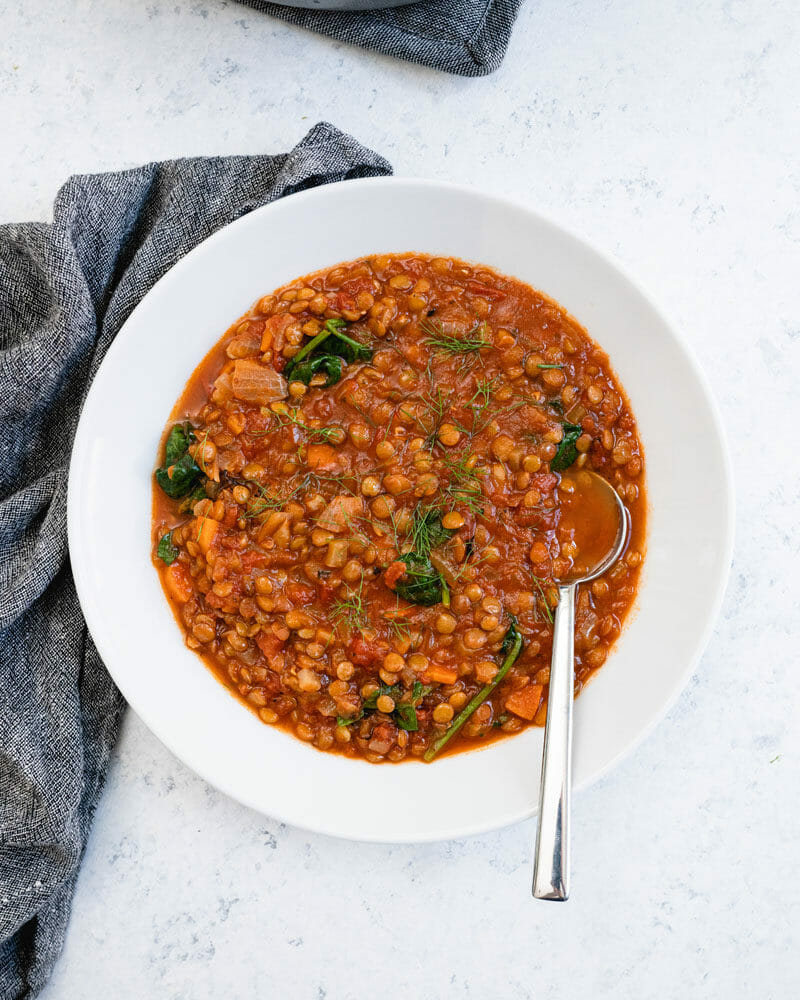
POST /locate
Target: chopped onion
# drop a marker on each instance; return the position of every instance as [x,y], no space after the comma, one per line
[253,382]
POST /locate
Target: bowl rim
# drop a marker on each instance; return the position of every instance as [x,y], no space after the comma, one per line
[727,499]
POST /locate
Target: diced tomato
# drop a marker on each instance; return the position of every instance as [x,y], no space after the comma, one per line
[299,594]
[253,559]
[534,418]
[326,592]
[345,302]
[366,653]
[415,353]
[268,644]
[394,572]
[361,283]
[382,738]
[348,293]
[280,557]
[501,499]
[544,482]
[478,288]
[322,456]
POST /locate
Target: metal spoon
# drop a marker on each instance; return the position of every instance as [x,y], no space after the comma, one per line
[551,865]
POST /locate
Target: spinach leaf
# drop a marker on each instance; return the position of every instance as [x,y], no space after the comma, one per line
[319,364]
[185,475]
[511,636]
[567,451]
[315,357]
[422,584]
[370,703]
[406,715]
[406,718]
[348,349]
[510,650]
[185,471]
[342,721]
[180,437]
[428,531]
[419,691]
[187,504]
[166,551]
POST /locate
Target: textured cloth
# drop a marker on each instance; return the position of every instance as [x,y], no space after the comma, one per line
[468,37]
[65,290]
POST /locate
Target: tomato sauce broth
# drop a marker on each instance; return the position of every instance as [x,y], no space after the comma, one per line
[377,476]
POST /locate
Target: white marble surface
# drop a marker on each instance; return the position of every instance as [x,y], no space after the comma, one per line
[668,134]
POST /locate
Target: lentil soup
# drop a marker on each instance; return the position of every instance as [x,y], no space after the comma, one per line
[367,490]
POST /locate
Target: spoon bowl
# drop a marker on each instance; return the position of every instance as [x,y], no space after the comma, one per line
[611,544]
[596,555]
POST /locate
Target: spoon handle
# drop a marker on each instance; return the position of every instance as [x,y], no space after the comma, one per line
[551,865]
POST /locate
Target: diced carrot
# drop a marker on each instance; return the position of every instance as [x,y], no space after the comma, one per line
[541,716]
[525,703]
[178,583]
[441,675]
[206,532]
[322,456]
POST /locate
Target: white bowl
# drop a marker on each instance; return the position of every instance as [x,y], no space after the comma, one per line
[690,526]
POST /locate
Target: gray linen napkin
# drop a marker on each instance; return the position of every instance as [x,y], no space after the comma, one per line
[65,290]
[467,37]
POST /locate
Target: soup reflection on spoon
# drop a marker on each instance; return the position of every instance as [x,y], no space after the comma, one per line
[589,523]
[594,527]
